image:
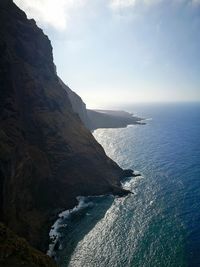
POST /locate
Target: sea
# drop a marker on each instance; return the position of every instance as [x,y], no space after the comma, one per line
[158,225]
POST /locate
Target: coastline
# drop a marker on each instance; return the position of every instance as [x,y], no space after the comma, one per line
[112,119]
[55,235]
[48,156]
[125,118]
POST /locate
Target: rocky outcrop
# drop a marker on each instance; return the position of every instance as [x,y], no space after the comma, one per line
[47,156]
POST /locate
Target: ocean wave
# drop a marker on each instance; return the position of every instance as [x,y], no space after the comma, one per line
[54,233]
[83,202]
[132,182]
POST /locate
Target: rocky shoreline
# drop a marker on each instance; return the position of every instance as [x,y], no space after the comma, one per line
[112,119]
[54,234]
[48,155]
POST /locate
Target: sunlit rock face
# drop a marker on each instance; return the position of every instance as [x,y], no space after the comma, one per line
[47,156]
[78,105]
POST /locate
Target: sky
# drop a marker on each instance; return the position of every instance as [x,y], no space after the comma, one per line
[115,52]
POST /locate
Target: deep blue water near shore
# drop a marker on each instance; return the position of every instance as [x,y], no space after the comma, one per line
[160,224]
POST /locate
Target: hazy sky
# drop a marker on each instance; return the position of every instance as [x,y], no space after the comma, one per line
[118,51]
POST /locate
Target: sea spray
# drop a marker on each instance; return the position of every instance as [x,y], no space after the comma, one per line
[100,231]
[64,218]
[55,234]
[131,182]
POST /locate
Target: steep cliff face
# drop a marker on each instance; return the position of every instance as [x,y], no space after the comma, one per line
[47,156]
[94,119]
[78,105]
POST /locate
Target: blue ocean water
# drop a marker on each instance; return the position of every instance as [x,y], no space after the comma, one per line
[160,224]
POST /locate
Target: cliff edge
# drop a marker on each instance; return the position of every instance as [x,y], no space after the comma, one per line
[47,156]
[94,119]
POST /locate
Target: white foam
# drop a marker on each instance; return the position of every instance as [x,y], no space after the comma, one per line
[130,184]
[131,125]
[151,202]
[54,233]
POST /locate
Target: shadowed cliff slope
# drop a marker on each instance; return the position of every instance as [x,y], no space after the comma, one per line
[47,156]
[16,252]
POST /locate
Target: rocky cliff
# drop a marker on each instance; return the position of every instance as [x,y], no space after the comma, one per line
[111,119]
[78,105]
[94,119]
[47,156]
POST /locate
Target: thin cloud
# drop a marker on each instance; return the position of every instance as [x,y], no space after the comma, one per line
[59,14]
[196,2]
[120,4]
[50,12]
[115,4]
